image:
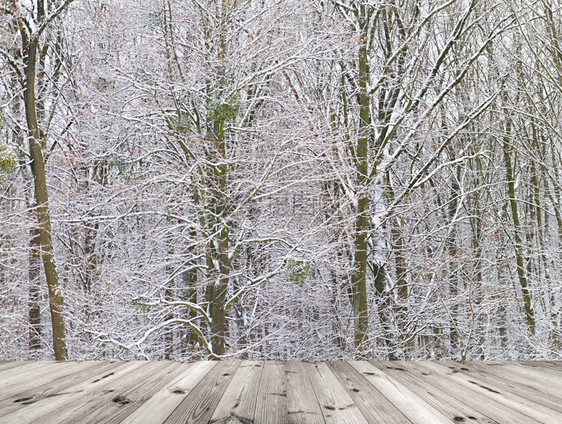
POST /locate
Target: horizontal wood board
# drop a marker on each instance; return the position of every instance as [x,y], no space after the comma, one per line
[255,392]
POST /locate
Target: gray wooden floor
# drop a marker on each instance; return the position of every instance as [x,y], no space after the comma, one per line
[280,392]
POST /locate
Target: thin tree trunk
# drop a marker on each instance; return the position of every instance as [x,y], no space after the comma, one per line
[517,231]
[56,301]
[190,280]
[34,292]
[169,336]
[454,336]
[402,291]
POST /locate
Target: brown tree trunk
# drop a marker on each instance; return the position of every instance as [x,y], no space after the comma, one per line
[34,292]
[517,231]
[359,277]
[56,301]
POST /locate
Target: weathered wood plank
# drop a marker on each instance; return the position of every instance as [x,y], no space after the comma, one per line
[46,378]
[199,405]
[238,403]
[549,366]
[468,396]
[115,412]
[161,405]
[496,392]
[302,405]
[515,383]
[373,405]
[336,404]
[6,365]
[109,399]
[280,392]
[414,408]
[546,375]
[26,372]
[271,402]
[47,384]
[32,410]
[440,399]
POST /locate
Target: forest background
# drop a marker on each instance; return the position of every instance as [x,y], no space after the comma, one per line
[280,179]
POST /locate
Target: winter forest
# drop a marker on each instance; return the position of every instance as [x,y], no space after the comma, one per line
[280,179]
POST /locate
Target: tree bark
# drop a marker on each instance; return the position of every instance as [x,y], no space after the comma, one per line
[359,277]
[56,301]
[517,231]
[34,291]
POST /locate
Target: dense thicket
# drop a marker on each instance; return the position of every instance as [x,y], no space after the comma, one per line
[280,179]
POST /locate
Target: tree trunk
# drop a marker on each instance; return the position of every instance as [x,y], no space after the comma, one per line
[34,292]
[56,302]
[517,231]
[359,277]
[454,336]
[190,280]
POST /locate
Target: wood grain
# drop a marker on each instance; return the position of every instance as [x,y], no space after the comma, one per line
[199,405]
[498,393]
[238,403]
[159,406]
[439,398]
[375,407]
[462,395]
[407,401]
[271,402]
[257,392]
[335,403]
[60,396]
[302,404]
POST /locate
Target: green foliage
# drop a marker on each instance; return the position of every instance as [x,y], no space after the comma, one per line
[8,159]
[155,19]
[142,304]
[226,110]
[180,125]
[298,270]
[102,84]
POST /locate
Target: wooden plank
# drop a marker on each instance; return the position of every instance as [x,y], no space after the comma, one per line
[199,405]
[45,378]
[238,403]
[440,399]
[33,410]
[271,402]
[373,405]
[112,397]
[6,365]
[52,385]
[515,383]
[120,406]
[465,395]
[161,405]
[538,373]
[547,366]
[28,371]
[336,404]
[45,386]
[415,409]
[276,392]
[302,405]
[498,393]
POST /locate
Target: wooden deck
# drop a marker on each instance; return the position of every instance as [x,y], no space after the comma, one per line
[280,392]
